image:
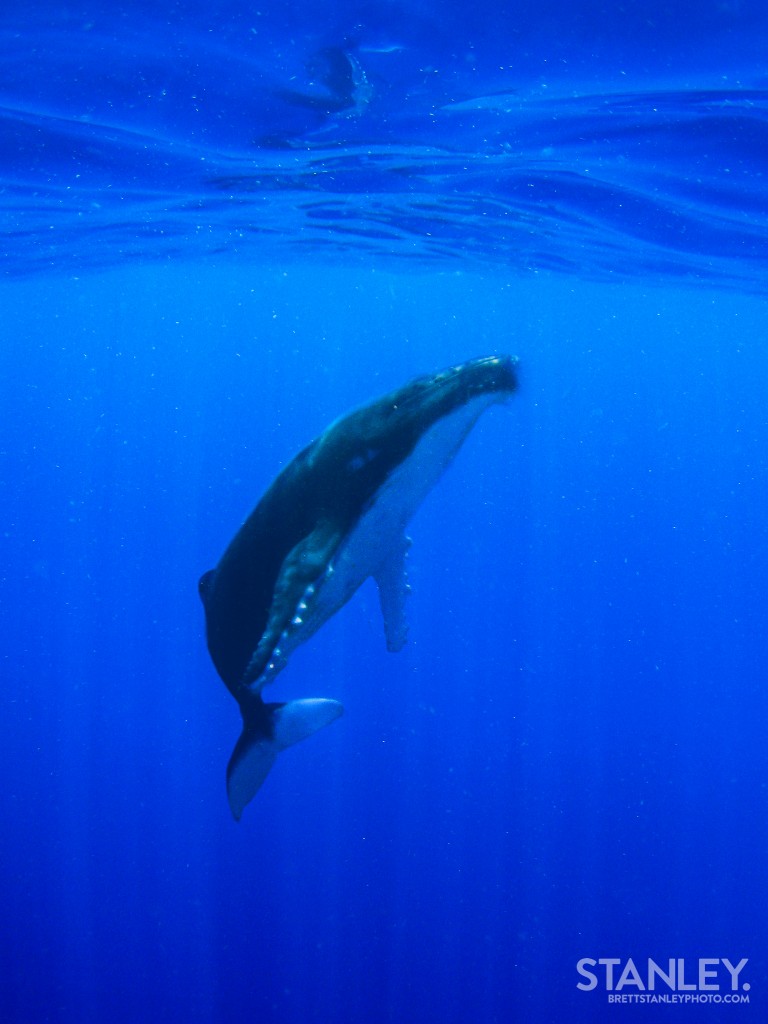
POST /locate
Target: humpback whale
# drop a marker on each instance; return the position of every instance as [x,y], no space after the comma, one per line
[335,516]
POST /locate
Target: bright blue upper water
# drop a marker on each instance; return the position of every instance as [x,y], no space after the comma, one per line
[619,144]
[222,227]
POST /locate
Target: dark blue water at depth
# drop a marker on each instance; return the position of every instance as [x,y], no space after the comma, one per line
[225,226]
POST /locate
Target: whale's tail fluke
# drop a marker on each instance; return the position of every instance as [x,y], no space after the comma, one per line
[268,729]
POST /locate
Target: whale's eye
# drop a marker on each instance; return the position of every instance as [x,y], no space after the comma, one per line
[362,459]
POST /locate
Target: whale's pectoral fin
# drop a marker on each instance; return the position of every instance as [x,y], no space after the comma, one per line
[293,592]
[268,729]
[392,580]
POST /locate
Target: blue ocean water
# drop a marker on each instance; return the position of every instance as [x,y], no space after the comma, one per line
[223,227]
